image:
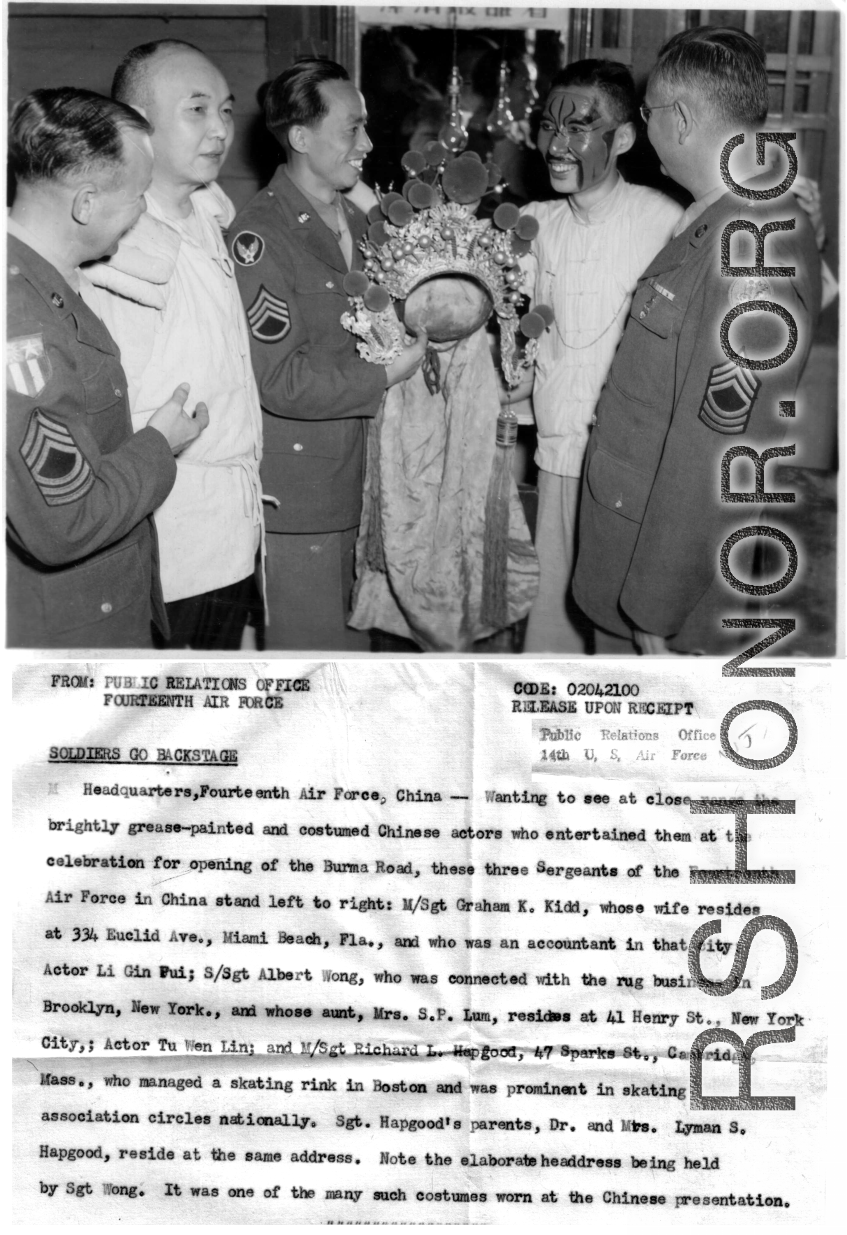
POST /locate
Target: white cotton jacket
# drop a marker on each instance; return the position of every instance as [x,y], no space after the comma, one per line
[169,299]
[585,266]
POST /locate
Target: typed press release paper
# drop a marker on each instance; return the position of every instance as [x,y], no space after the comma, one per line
[410,942]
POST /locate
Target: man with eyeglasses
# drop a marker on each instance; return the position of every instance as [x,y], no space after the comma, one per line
[651,518]
[647,112]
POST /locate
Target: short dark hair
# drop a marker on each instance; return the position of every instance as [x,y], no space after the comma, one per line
[63,133]
[132,76]
[611,78]
[295,98]
[724,65]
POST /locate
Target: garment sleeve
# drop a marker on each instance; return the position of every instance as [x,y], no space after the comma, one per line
[66,497]
[304,371]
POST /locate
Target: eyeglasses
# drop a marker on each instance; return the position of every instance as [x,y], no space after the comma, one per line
[646,112]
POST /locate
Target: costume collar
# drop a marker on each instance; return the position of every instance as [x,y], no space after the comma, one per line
[143,264]
[147,255]
[208,202]
[602,210]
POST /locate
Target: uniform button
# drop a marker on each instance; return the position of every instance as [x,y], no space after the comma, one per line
[643,313]
[701,230]
[57,300]
[314,548]
[330,283]
[618,504]
[13,270]
[118,391]
[297,446]
[105,607]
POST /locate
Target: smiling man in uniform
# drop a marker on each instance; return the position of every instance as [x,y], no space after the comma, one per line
[292,246]
[652,521]
[170,299]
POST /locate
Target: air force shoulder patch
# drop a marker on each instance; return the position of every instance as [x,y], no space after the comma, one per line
[55,462]
[730,394]
[247,248]
[269,318]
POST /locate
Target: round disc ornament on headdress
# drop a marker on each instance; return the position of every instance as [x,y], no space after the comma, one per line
[446,270]
[464,180]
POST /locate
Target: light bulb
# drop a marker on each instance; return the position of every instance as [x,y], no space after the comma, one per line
[500,118]
[453,133]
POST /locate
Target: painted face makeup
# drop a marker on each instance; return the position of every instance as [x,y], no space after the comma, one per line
[575,139]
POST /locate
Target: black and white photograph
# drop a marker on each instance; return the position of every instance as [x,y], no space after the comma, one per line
[424,616]
[410,329]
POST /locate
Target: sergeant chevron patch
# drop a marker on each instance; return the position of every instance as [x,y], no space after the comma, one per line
[268,316]
[730,394]
[56,464]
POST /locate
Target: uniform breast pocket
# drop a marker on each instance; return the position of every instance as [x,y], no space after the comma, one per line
[103,388]
[644,366]
[320,289]
[321,301]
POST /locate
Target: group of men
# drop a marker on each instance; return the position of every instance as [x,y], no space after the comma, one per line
[639,391]
[257,494]
[125,188]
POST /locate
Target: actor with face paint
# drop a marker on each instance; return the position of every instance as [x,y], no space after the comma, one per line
[592,246]
[169,297]
[652,521]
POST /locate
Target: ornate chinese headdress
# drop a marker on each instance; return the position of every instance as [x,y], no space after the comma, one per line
[429,232]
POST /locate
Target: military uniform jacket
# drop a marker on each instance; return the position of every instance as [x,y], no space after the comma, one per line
[315,390]
[651,519]
[82,569]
